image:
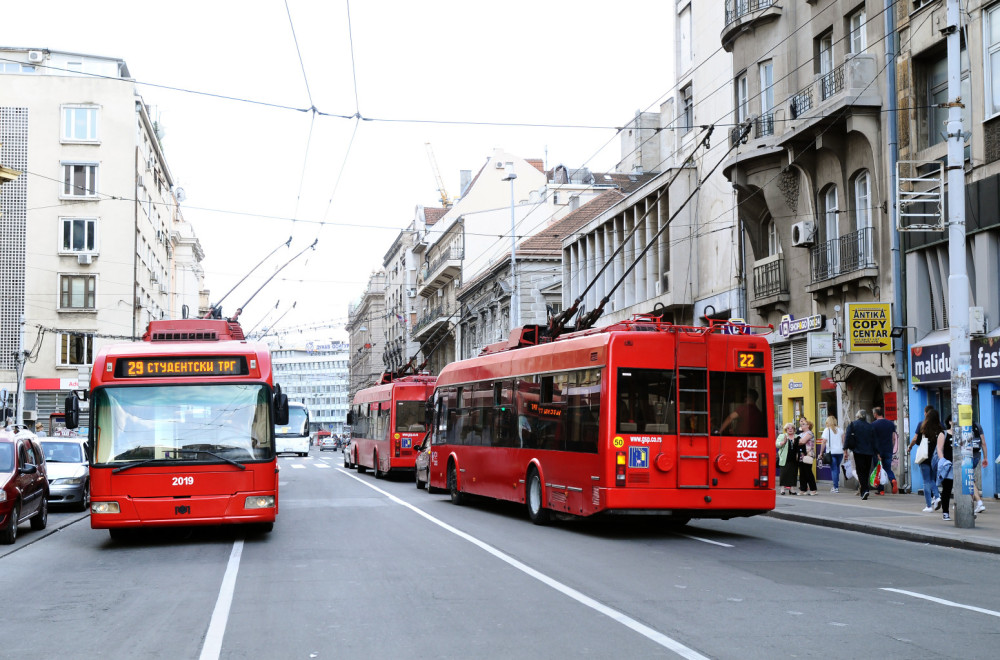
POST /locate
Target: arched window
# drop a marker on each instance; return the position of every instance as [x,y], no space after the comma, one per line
[829,254]
[863,219]
[773,244]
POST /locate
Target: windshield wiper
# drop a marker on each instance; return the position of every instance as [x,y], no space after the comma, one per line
[213,455]
[136,464]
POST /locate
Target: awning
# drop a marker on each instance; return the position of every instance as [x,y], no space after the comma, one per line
[933,338]
[843,372]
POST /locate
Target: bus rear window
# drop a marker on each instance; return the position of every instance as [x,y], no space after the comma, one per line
[410,417]
[646,401]
[738,405]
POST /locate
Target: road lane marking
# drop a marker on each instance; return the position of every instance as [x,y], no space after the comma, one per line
[698,538]
[322,466]
[298,466]
[942,601]
[220,616]
[620,617]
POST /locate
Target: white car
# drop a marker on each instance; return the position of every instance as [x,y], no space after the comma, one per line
[68,471]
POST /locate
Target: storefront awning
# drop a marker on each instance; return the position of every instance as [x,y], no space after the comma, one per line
[844,371]
[933,338]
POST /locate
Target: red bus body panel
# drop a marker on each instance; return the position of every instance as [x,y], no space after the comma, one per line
[197,494]
[687,476]
[364,449]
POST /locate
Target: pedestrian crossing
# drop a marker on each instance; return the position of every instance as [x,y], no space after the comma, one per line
[323,463]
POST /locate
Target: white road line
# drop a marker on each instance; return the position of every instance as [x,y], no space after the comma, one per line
[698,538]
[220,616]
[298,466]
[942,601]
[644,630]
[323,466]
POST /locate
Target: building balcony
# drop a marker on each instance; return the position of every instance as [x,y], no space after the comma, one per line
[770,285]
[446,267]
[432,321]
[740,14]
[851,84]
[842,259]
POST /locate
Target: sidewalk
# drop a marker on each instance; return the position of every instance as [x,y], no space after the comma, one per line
[895,516]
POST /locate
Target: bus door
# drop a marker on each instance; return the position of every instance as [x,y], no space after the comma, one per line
[693,457]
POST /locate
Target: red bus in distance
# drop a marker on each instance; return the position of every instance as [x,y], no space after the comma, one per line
[388,423]
[640,417]
[182,429]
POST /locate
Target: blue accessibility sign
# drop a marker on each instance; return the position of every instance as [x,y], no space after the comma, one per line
[638,457]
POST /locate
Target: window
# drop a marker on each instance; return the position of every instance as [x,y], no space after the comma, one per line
[79,235]
[858,42]
[991,52]
[937,94]
[687,108]
[646,402]
[766,87]
[773,244]
[79,180]
[79,123]
[685,39]
[742,98]
[737,405]
[827,257]
[75,349]
[862,201]
[77,291]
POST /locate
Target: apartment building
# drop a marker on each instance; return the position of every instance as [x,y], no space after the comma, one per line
[315,374]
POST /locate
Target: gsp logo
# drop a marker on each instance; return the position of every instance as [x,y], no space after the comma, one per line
[182,510]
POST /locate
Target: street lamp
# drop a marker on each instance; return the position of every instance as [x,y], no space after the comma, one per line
[514,302]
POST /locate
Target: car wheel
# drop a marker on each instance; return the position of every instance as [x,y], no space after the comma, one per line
[456,495]
[347,462]
[41,518]
[85,498]
[420,484]
[536,511]
[378,473]
[9,532]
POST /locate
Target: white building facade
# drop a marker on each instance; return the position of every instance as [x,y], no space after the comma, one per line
[316,375]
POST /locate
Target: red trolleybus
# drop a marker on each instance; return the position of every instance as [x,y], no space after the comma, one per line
[640,417]
[182,429]
[388,423]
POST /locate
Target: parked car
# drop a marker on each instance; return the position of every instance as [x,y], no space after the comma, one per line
[68,470]
[422,473]
[24,486]
[327,442]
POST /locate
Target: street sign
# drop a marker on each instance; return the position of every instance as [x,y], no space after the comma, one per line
[868,327]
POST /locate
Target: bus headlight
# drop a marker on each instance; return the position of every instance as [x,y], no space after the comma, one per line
[259,502]
[104,507]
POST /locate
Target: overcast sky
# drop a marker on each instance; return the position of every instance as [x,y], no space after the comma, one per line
[418,64]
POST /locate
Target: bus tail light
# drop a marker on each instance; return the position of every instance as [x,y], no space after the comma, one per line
[395,446]
[259,502]
[104,507]
[764,479]
[620,468]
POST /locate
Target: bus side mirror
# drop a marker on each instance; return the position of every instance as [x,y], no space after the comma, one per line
[429,413]
[280,407]
[72,410]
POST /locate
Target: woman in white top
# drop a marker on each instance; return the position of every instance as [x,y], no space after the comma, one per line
[833,441]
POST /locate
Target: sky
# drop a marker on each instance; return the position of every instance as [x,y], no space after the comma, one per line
[457,74]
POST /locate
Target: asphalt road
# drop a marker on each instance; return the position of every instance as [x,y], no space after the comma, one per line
[365,568]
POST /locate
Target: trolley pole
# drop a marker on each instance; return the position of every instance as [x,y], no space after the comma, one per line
[958,283]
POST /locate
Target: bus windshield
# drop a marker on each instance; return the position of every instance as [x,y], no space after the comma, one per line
[189,423]
[298,420]
[410,416]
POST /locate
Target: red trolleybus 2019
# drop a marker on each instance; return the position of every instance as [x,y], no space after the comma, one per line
[388,422]
[640,417]
[182,429]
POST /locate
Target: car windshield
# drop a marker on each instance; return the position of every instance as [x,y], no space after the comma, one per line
[297,420]
[190,423]
[63,452]
[6,457]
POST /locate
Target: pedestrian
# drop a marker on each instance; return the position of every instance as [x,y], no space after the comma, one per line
[928,471]
[787,460]
[860,441]
[805,441]
[978,463]
[833,443]
[887,442]
[942,441]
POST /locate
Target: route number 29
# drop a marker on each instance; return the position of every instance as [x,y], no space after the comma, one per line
[183,481]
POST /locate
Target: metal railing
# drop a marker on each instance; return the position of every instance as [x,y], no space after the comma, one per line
[737,9]
[432,316]
[801,103]
[454,253]
[845,254]
[763,125]
[832,83]
[769,279]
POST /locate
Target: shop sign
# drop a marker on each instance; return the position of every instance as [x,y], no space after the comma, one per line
[932,364]
[889,406]
[789,325]
[868,327]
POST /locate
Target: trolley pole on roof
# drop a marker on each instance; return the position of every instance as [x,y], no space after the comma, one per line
[958,283]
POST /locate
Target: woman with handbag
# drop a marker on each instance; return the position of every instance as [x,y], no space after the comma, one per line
[787,460]
[806,443]
[832,445]
[926,459]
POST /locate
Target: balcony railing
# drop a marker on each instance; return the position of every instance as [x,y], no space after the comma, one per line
[801,103]
[769,278]
[432,316]
[763,125]
[737,9]
[846,254]
[832,83]
[451,254]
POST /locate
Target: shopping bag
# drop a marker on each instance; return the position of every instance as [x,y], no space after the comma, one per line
[873,478]
[921,450]
[883,476]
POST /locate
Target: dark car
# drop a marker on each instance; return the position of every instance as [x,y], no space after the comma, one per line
[422,473]
[24,486]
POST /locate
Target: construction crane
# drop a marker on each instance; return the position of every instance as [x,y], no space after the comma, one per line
[445,200]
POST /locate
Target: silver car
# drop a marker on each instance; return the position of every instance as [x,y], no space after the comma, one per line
[68,470]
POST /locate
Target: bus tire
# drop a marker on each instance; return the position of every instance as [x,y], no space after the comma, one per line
[456,495]
[120,534]
[537,512]
[41,518]
[378,473]
[9,532]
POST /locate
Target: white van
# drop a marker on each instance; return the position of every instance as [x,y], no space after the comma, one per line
[294,436]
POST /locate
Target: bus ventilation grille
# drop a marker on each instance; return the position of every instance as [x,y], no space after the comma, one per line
[638,477]
[185,336]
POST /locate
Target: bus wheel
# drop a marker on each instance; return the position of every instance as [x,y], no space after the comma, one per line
[119,534]
[456,494]
[376,470]
[536,511]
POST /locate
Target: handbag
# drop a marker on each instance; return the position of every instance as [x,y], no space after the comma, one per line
[827,458]
[807,459]
[921,450]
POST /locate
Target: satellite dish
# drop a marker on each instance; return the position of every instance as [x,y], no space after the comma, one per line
[180,194]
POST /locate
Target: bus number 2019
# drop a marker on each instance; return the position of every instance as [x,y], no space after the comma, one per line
[183,481]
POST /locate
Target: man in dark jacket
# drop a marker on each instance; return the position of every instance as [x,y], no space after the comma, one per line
[860,441]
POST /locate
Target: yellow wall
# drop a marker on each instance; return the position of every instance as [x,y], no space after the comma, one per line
[801,388]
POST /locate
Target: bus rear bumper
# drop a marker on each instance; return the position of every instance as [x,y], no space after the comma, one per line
[169,511]
[686,503]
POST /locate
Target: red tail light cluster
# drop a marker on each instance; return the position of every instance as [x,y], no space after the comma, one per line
[620,468]
[395,445]
[764,479]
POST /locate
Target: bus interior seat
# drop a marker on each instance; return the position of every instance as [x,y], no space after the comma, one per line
[627,427]
[657,428]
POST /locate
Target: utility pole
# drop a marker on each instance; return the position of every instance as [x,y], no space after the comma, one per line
[515,302]
[958,282]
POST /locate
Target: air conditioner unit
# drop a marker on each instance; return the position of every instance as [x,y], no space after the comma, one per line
[804,234]
[163,287]
[411,293]
[977,321]
[139,182]
[36,56]
[498,164]
[153,279]
[85,259]
[29,416]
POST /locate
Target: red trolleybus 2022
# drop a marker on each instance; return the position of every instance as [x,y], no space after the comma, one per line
[182,429]
[388,423]
[640,417]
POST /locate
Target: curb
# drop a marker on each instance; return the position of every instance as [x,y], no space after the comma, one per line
[897,533]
